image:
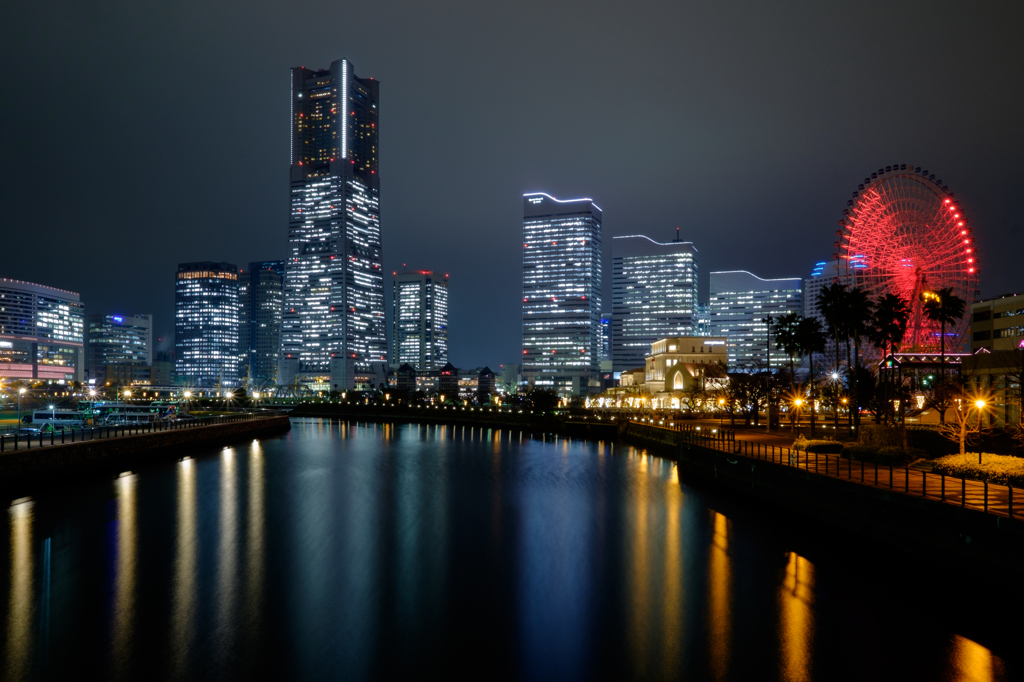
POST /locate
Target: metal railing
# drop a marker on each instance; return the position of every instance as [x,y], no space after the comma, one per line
[991,498]
[55,437]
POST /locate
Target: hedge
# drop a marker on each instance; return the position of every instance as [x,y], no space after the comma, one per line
[1000,469]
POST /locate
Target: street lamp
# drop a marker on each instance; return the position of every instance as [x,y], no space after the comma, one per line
[721,411]
[21,392]
[797,403]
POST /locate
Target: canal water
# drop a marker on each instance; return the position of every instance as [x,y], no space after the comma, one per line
[361,551]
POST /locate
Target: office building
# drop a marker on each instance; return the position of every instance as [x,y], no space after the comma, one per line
[606,336]
[997,324]
[561,293]
[117,340]
[42,333]
[420,319]
[260,298]
[333,321]
[206,325]
[824,274]
[739,305]
[654,295]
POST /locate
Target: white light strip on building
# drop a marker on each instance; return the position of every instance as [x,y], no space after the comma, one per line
[562,201]
[343,119]
[291,129]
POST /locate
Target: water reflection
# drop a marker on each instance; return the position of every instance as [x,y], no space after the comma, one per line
[357,551]
[227,555]
[971,662]
[124,581]
[796,597]
[720,599]
[19,603]
[256,524]
[184,589]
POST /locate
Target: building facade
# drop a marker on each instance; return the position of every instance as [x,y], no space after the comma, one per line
[117,340]
[681,363]
[739,306]
[561,293]
[654,296]
[42,332]
[260,299]
[998,323]
[206,324]
[420,319]
[333,323]
[824,274]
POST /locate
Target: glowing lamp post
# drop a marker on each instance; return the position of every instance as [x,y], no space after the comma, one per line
[796,414]
[21,392]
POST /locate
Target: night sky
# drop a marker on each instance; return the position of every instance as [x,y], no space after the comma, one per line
[136,135]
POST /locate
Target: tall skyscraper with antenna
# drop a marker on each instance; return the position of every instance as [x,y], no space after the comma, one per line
[333,326]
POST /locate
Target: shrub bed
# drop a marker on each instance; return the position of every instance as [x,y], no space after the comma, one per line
[830,447]
[888,455]
[1001,469]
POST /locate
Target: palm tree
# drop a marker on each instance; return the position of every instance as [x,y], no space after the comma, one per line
[810,339]
[889,322]
[889,326]
[785,339]
[858,312]
[832,302]
[944,307]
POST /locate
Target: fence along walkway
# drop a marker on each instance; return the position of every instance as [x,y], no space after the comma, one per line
[24,441]
[991,498]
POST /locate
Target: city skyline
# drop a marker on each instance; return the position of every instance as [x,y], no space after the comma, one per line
[744,150]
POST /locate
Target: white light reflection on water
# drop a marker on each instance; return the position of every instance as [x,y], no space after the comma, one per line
[18,648]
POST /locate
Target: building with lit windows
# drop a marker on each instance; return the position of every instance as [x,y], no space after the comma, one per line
[561,293]
[260,297]
[654,295]
[333,325]
[606,337]
[42,332]
[739,305]
[206,325]
[420,319]
[117,340]
[824,274]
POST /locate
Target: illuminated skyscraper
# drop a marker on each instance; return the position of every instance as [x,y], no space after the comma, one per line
[206,324]
[561,293]
[117,340]
[259,321]
[740,303]
[654,296]
[421,319]
[333,320]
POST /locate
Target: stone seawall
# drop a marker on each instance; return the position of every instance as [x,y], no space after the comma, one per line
[62,462]
[457,417]
[943,540]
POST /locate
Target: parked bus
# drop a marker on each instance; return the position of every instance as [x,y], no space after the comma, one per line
[58,419]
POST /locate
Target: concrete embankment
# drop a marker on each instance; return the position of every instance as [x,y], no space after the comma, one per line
[26,468]
[940,540]
[459,417]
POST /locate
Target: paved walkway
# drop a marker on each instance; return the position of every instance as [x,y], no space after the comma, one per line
[992,498]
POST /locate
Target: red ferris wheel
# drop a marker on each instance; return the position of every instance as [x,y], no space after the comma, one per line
[904,233]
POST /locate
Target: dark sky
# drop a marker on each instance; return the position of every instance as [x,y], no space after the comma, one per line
[135,135]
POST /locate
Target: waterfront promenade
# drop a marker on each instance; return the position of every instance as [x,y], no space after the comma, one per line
[46,459]
[991,498]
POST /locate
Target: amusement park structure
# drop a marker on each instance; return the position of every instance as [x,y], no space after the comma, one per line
[904,233]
